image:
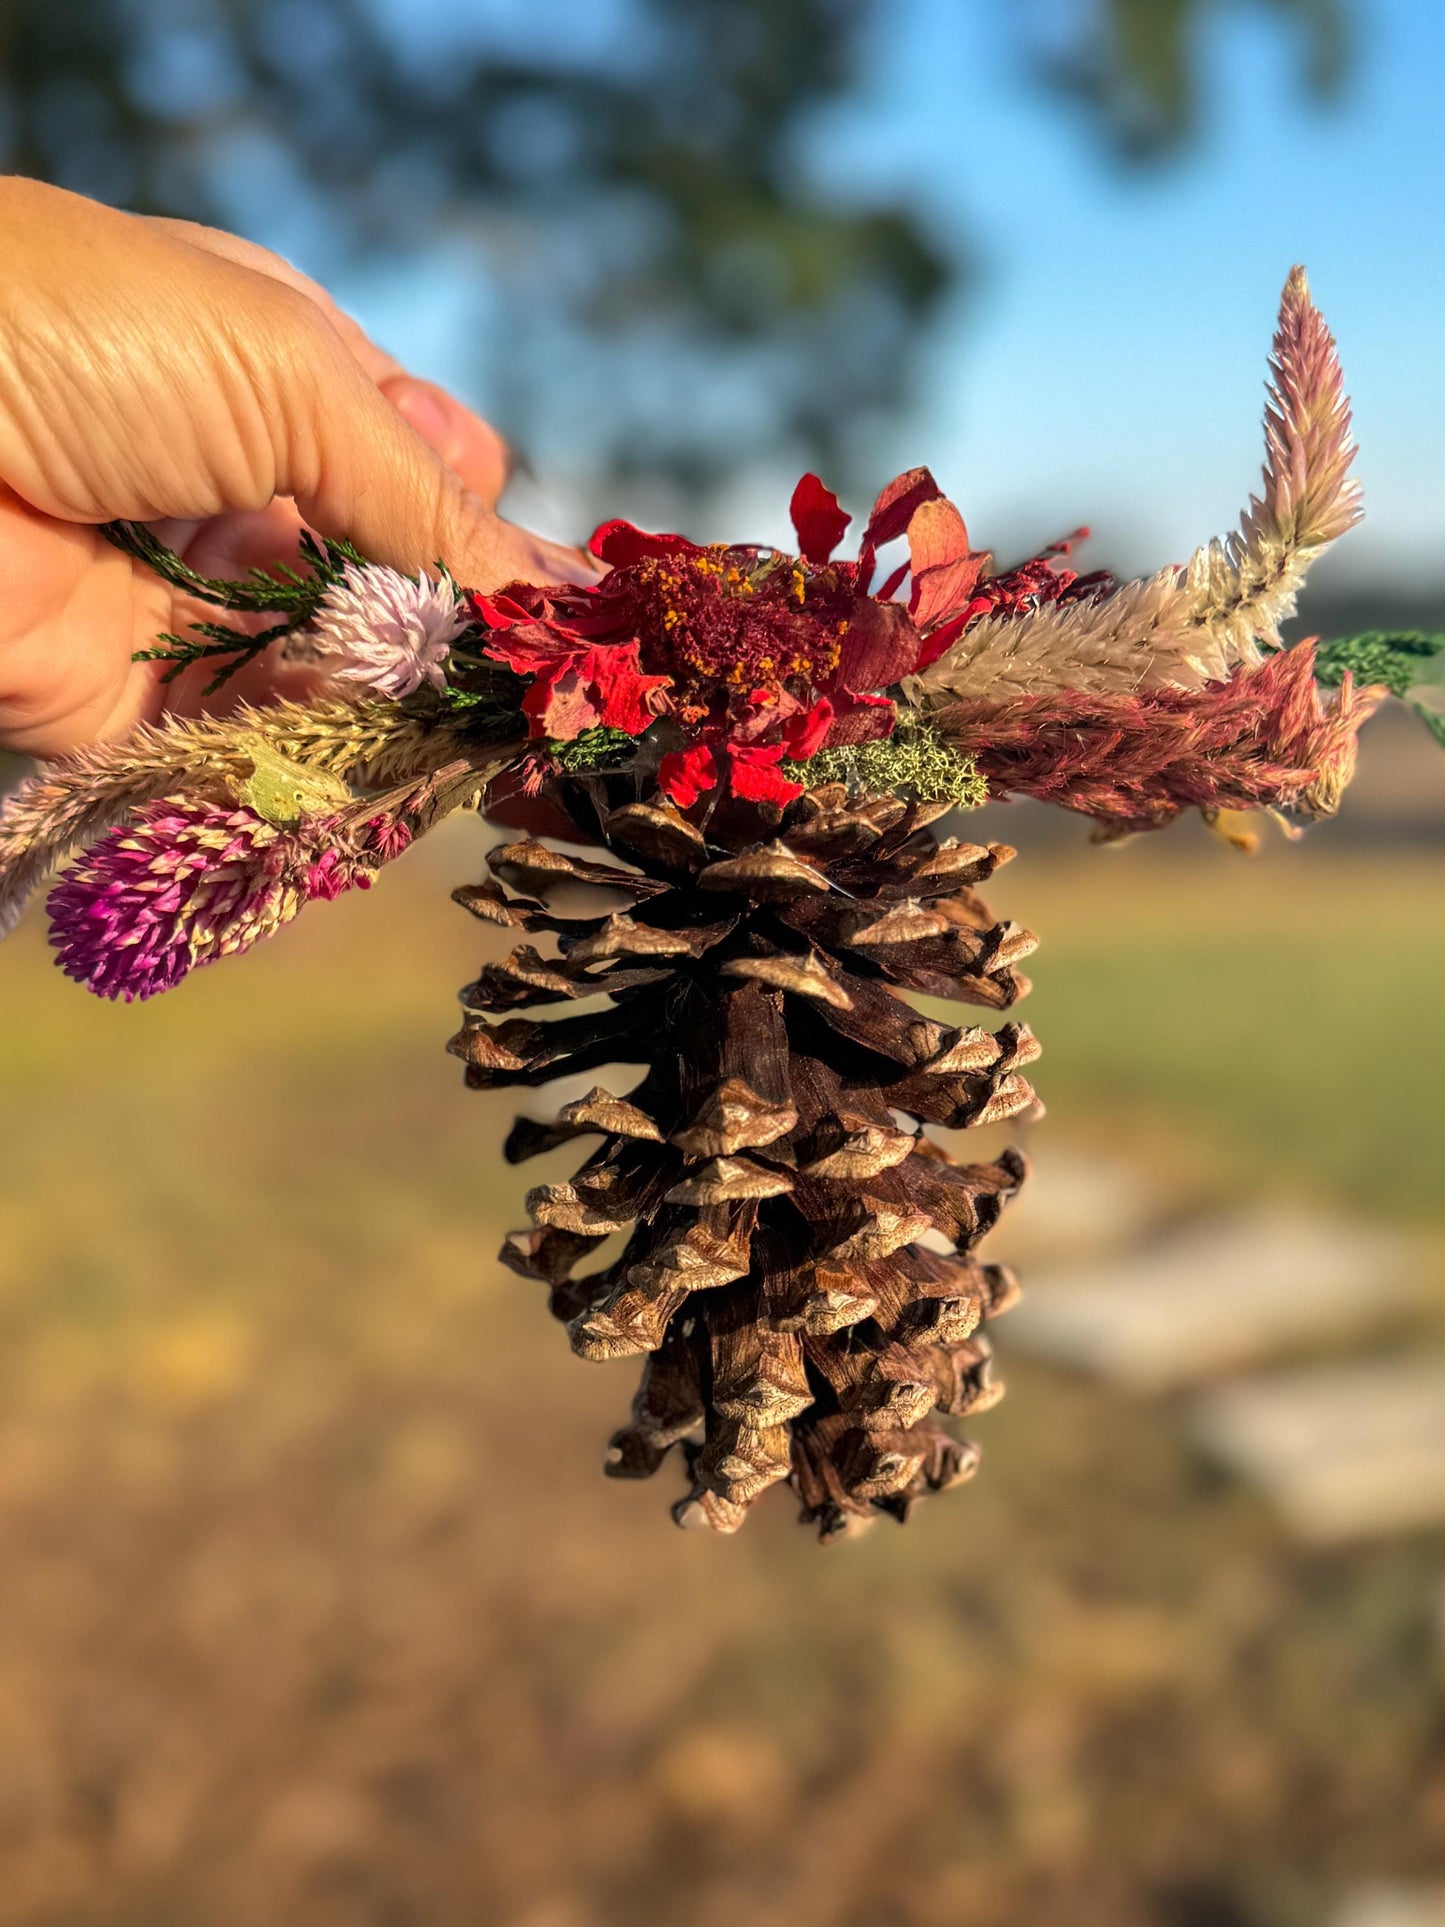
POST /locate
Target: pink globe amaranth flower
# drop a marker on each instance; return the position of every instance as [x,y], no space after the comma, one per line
[393,632]
[185,882]
[330,875]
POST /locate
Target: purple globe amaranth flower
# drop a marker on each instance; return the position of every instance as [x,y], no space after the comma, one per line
[181,883]
[185,882]
[393,632]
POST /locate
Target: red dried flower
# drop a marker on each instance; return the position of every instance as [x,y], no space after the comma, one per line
[749,649]
[756,777]
[598,687]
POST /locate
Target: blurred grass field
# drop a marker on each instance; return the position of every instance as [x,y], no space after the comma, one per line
[317,1609]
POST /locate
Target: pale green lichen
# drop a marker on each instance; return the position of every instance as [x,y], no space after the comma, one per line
[913,761]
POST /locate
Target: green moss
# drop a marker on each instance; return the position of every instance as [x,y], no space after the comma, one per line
[914,761]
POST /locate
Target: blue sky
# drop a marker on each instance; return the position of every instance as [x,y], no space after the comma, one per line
[1106,362]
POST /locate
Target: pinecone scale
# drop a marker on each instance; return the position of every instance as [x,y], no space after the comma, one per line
[799,1272]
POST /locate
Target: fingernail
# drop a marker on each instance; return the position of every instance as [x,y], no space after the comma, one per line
[429,414]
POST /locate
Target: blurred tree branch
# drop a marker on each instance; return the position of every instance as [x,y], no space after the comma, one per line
[1135,64]
[662,271]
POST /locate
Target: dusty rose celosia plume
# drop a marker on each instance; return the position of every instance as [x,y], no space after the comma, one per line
[1187,626]
[1266,738]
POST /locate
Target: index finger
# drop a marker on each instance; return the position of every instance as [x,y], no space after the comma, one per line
[380,365]
[467,443]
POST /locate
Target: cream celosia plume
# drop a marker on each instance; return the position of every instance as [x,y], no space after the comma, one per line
[1187,626]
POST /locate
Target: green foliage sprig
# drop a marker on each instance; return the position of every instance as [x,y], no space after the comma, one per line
[287,593]
[593,749]
[1403,660]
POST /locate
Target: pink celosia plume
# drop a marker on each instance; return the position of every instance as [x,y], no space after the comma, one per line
[1267,738]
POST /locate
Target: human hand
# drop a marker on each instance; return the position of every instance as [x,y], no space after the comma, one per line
[166,373]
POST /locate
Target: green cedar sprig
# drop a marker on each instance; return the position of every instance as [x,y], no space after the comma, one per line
[284,592]
[593,749]
[1402,660]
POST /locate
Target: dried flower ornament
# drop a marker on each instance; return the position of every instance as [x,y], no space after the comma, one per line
[757,744]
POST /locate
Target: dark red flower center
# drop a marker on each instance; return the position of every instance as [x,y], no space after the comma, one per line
[738,620]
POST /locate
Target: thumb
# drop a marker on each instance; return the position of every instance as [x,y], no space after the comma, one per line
[358,470]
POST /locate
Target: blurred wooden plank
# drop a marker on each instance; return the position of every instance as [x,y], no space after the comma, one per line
[1220,1294]
[1390,1906]
[1345,1452]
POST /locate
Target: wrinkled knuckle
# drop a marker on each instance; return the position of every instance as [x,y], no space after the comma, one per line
[299,320]
[300,382]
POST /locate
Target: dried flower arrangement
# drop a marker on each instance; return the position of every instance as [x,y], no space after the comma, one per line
[753,747]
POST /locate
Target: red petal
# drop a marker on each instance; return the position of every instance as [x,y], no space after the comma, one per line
[892,512]
[805,735]
[684,774]
[859,719]
[502,610]
[880,646]
[944,568]
[531,648]
[619,543]
[627,700]
[577,690]
[938,640]
[755,776]
[818,519]
[561,703]
[764,711]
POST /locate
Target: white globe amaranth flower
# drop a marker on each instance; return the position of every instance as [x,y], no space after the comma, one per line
[392,631]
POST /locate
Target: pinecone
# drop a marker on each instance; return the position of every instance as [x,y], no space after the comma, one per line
[784,1276]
